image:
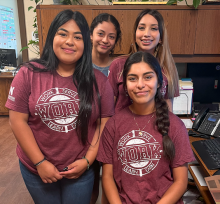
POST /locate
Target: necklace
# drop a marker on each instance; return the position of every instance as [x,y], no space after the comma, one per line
[62,74]
[59,73]
[140,131]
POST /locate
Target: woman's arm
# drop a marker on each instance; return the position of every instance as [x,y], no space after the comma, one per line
[24,135]
[109,185]
[78,167]
[177,189]
[170,104]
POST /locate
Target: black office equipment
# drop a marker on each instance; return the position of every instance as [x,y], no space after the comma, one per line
[217,173]
[214,108]
[194,134]
[207,123]
[204,77]
[209,151]
[8,57]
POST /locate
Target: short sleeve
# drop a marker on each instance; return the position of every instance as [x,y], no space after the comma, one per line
[105,153]
[183,150]
[19,92]
[112,77]
[107,101]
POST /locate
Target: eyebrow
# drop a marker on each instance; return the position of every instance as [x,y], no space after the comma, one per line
[151,72]
[145,24]
[67,31]
[104,32]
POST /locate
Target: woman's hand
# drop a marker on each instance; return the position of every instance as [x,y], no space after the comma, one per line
[48,172]
[75,170]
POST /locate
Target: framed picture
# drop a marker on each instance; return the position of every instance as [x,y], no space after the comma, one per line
[138,2]
[216,2]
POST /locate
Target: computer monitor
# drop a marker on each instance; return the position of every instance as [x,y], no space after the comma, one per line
[206,81]
[7,58]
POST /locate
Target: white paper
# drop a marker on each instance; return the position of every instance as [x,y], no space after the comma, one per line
[199,173]
[183,103]
[187,122]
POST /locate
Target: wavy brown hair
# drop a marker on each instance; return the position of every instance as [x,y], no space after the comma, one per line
[162,112]
[162,52]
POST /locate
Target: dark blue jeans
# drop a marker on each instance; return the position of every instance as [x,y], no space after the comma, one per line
[64,191]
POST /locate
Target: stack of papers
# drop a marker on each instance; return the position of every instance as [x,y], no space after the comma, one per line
[185,84]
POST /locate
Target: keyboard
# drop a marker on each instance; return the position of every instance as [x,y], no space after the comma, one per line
[209,151]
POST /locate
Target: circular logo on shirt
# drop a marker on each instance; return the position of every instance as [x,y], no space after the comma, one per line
[139,152]
[58,109]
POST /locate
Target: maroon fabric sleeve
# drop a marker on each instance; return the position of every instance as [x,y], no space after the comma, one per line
[107,101]
[112,76]
[183,150]
[105,153]
[19,92]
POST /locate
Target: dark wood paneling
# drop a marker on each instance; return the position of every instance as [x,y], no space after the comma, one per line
[180,26]
[193,34]
[208,32]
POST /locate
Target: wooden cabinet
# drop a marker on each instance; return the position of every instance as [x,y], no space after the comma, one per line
[180,26]
[5,83]
[193,35]
[208,32]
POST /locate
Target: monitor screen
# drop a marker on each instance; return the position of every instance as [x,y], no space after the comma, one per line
[7,58]
[7,29]
[206,82]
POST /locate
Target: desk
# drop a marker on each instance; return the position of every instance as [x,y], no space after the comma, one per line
[203,189]
[5,83]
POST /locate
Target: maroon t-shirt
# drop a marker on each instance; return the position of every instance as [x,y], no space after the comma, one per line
[141,172]
[52,103]
[116,80]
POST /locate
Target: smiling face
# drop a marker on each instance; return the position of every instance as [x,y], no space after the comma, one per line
[147,34]
[142,84]
[103,37]
[68,43]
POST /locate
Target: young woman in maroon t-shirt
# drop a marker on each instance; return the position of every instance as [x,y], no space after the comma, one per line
[149,35]
[144,148]
[58,107]
[105,33]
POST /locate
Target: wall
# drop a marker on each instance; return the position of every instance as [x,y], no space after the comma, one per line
[13,4]
[29,21]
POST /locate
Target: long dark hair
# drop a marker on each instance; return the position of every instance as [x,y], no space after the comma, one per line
[107,18]
[83,77]
[162,117]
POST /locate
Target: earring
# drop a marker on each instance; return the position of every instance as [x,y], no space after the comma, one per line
[126,92]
